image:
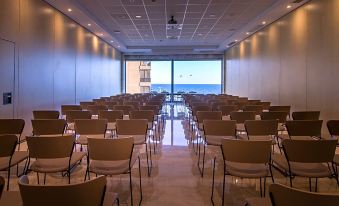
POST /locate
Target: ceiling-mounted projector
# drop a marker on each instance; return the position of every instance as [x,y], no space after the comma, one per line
[173,24]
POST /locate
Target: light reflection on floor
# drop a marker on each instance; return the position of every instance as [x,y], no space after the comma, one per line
[174,131]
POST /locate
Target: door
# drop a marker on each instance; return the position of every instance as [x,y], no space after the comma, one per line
[6,79]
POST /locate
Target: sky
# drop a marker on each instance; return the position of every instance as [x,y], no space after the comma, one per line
[186,72]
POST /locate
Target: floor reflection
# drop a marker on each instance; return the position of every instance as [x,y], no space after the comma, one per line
[174,131]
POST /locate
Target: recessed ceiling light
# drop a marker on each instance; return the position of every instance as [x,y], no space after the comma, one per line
[69,9]
[89,24]
[236,40]
[213,15]
[112,41]
[138,16]
[247,33]
[199,34]
[101,34]
[288,6]
[118,46]
[264,22]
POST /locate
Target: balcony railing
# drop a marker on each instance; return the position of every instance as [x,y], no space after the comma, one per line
[145,79]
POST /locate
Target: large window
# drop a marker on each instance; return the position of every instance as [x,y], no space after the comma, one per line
[174,77]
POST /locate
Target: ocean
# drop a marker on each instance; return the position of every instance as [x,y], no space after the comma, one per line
[198,88]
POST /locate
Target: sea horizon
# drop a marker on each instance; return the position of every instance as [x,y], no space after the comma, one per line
[187,88]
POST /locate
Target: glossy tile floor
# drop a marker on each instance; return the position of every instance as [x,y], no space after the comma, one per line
[175,178]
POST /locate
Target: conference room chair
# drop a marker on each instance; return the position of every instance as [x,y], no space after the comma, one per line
[52,154]
[226,111]
[245,159]
[214,132]
[13,127]
[280,116]
[72,115]
[84,105]
[111,117]
[10,157]
[89,193]
[258,109]
[46,127]
[110,104]
[135,104]
[265,105]
[136,128]
[113,157]
[280,108]
[89,128]
[306,115]
[304,129]
[240,118]
[94,109]
[46,114]
[306,158]
[125,108]
[261,129]
[65,108]
[333,129]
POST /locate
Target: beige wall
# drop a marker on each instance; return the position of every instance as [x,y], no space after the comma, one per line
[294,61]
[56,60]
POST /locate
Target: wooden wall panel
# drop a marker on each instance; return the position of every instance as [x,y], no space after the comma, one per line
[295,60]
[56,60]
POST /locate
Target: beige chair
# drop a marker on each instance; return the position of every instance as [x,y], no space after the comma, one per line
[214,132]
[113,157]
[280,116]
[89,128]
[46,114]
[14,127]
[8,156]
[304,129]
[245,159]
[90,193]
[240,118]
[84,105]
[136,128]
[261,129]
[111,117]
[72,115]
[333,128]
[306,115]
[53,154]
[282,195]
[43,127]
[306,158]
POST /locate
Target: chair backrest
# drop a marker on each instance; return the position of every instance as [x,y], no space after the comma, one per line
[7,145]
[73,115]
[46,114]
[65,108]
[195,109]
[220,127]
[2,185]
[84,105]
[309,151]
[306,115]
[48,126]
[282,195]
[90,126]
[135,104]
[125,108]
[246,151]
[241,117]
[132,127]
[333,127]
[227,109]
[261,127]
[111,104]
[110,149]
[208,115]
[155,108]
[90,193]
[265,105]
[94,109]
[310,128]
[142,114]
[280,116]
[111,116]
[280,109]
[12,126]
[254,108]
[50,147]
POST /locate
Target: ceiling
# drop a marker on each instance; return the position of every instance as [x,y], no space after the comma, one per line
[141,26]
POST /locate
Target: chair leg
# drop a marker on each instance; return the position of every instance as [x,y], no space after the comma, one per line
[213,173]
[260,187]
[148,167]
[271,173]
[37,175]
[316,184]
[130,186]
[45,178]
[223,186]
[140,181]
[203,161]
[310,183]
[8,177]
[264,186]
[290,180]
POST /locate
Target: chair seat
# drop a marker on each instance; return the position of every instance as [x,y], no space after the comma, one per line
[247,170]
[82,139]
[258,201]
[18,157]
[302,169]
[240,127]
[215,139]
[101,167]
[226,117]
[70,126]
[57,164]
[111,126]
